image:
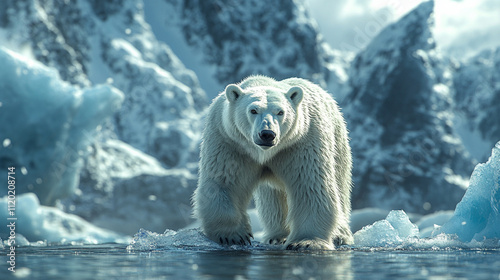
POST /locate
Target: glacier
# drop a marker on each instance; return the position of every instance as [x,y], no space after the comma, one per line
[47,125]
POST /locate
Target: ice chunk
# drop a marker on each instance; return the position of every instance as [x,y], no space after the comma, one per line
[145,240]
[476,216]
[46,125]
[43,223]
[381,233]
[402,224]
[392,231]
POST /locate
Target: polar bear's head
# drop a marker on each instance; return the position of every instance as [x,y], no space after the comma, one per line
[264,115]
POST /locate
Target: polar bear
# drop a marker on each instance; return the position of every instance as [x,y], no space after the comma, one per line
[286,142]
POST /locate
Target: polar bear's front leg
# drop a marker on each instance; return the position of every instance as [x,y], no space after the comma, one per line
[313,200]
[312,218]
[223,217]
[272,208]
[311,227]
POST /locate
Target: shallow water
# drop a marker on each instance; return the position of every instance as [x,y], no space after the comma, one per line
[114,261]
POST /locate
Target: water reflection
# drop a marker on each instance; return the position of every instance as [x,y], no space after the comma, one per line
[104,262]
[275,265]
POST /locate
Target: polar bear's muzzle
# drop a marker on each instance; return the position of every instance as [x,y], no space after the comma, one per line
[266,139]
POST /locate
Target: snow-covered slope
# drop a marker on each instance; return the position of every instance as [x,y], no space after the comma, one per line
[399,112]
[124,189]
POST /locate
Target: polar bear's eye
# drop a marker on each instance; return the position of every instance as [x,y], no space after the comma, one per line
[280,113]
[253,111]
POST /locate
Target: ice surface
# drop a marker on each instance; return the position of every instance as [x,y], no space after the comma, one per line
[192,238]
[36,222]
[476,216]
[46,125]
[402,224]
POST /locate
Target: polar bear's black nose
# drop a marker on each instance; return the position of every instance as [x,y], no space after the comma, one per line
[267,135]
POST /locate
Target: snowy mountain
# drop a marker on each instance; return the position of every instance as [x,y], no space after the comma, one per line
[273,38]
[406,152]
[477,94]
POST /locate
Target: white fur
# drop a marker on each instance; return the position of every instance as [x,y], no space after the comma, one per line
[302,183]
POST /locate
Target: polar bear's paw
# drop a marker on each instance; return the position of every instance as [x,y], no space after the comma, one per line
[276,240]
[309,244]
[277,237]
[233,238]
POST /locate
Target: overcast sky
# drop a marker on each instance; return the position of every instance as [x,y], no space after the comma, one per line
[462,28]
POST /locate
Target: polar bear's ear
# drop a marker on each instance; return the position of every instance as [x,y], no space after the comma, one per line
[295,94]
[233,92]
